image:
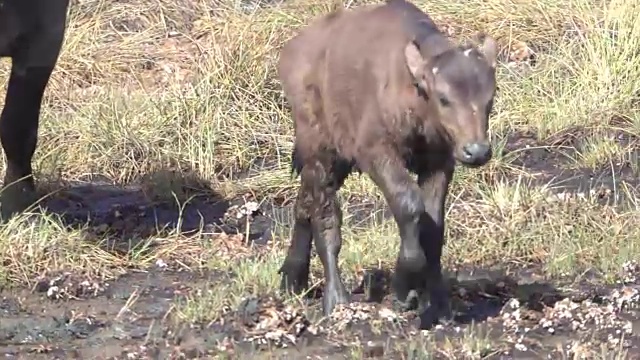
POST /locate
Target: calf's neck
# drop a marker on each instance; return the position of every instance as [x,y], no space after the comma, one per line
[382,91]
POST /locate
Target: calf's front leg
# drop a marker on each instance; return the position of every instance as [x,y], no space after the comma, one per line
[405,200]
[418,209]
[435,186]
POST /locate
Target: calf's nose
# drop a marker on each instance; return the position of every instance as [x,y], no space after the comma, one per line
[477,153]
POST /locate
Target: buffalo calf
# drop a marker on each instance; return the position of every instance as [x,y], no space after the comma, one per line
[31,34]
[381,90]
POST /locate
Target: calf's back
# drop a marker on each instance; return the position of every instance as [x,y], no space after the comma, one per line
[351,65]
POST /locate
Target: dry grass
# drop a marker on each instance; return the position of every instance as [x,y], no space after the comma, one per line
[189,88]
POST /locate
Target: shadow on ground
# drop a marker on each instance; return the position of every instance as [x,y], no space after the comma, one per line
[161,202]
[157,204]
[476,294]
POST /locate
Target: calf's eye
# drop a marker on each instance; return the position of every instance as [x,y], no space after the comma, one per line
[443,100]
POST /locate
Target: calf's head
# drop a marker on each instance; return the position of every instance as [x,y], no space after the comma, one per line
[459,83]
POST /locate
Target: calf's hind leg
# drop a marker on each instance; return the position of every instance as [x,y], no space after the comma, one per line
[295,269]
[321,178]
[328,176]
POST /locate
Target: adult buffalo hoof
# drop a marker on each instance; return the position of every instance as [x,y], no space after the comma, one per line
[16,198]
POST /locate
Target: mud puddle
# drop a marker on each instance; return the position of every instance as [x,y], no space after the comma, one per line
[129,211]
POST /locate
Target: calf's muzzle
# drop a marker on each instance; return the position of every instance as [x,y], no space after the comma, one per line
[476,153]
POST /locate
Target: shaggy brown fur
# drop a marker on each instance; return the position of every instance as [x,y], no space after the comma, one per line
[381,90]
[31,34]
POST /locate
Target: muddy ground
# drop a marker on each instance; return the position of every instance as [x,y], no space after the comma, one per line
[523,313]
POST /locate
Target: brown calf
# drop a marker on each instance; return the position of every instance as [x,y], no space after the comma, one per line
[381,90]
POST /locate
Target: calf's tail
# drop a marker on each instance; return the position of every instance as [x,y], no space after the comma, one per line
[296,162]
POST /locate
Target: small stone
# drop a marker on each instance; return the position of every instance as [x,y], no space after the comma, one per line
[161,264]
[53,291]
[42,286]
[387,314]
[374,349]
[521,347]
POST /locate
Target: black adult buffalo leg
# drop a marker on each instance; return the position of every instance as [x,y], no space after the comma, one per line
[19,134]
[40,30]
[434,185]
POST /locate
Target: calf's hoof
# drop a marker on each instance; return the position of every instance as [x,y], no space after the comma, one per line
[409,280]
[438,311]
[434,315]
[408,302]
[332,296]
[294,277]
[16,198]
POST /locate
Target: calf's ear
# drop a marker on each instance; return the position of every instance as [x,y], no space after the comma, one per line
[488,47]
[414,60]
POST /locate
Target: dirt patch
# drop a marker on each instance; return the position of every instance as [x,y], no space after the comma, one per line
[133,317]
[510,313]
[553,161]
[103,322]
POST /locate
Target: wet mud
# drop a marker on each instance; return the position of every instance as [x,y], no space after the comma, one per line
[519,313]
[90,320]
[552,161]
